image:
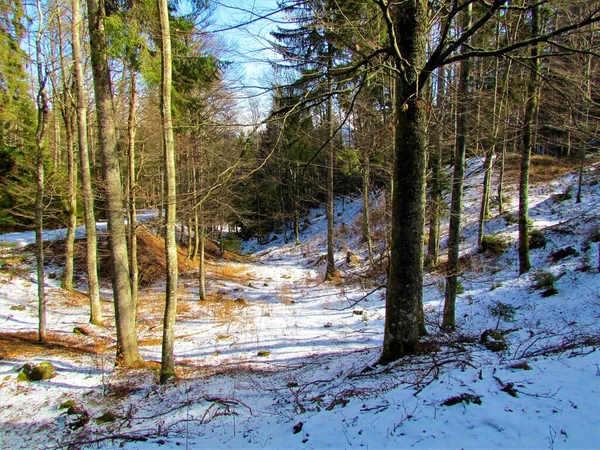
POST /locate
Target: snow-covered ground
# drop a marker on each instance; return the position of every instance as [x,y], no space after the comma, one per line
[277,358]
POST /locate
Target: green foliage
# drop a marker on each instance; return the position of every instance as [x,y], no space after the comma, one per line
[494,244]
[503,311]
[232,243]
[544,279]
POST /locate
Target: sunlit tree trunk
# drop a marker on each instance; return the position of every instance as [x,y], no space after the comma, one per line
[167,367]
[42,118]
[84,169]
[330,270]
[71,206]
[127,346]
[131,187]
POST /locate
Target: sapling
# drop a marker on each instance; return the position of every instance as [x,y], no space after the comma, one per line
[502,311]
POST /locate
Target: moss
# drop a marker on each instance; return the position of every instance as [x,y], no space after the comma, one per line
[494,244]
[67,404]
[33,372]
[263,353]
[107,417]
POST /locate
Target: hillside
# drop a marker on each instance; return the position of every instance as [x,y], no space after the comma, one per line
[278,358]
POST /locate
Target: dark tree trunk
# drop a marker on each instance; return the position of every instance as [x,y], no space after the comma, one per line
[405,276]
[449,320]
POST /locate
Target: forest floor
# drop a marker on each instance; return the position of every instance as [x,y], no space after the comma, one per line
[276,357]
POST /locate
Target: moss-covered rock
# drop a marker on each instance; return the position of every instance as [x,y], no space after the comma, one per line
[107,417]
[37,372]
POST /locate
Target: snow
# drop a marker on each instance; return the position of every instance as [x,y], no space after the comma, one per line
[317,387]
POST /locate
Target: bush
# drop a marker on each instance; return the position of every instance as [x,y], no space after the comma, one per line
[543,279]
[493,340]
[595,234]
[536,239]
[503,311]
[494,244]
[567,195]
[511,218]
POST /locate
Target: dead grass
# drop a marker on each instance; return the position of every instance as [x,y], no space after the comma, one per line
[25,345]
[222,310]
[543,169]
[230,272]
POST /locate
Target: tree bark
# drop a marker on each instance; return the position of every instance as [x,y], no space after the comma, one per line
[405,275]
[330,272]
[127,346]
[131,187]
[42,107]
[449,320]
[167,367]
[530,112]
[67,115]
[84,167]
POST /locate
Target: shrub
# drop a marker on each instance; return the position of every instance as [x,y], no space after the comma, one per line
[536,239]
[595,234]
[511,218]
[503,311]
[232,243]
[493,340]
[494,244]
[543,279]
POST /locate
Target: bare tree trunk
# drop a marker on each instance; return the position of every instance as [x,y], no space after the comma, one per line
[42,106]
[449,320]
[84,164]
[530,112]
[201,262]
[167,367]
[67,115]
[366,184]
[127,346]
[405,275]
[435,162]
[131,187]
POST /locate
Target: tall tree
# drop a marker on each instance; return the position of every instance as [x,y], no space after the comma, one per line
[167,367]
[127,346]
[407,30]
[84,168]
[42,105]
[528,143]
[462,127]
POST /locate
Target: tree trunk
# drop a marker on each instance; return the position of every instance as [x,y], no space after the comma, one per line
[42,116]
[449,320]
[330,272]
[127,346]
[405,275]
[67,115]
[435,162]
[366,184]
[530,112]
[131,187]
[167,367]
[84,166]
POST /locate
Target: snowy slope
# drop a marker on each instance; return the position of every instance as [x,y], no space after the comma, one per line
[313,385]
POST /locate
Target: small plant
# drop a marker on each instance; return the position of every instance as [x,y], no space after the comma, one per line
[510,218]
[503,311]
[460,289]
[544,279]
[536,239]
[494,244]
[494,340]
[595,234]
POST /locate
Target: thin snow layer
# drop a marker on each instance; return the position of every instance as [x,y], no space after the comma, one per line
[280,359]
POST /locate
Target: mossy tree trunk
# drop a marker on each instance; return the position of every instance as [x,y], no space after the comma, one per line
[449,320]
